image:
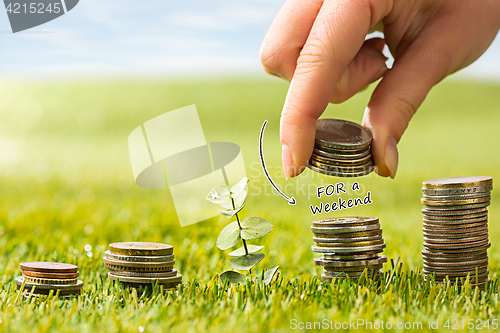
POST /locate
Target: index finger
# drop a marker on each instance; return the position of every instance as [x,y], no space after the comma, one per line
[335,38]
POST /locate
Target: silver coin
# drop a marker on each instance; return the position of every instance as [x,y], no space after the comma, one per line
[139,258]
[127,279]
[346,240]
[341,174]
[454,248]
[352,275]
[459,207]
[455,238]
[341,156]
[345,221]
[341,168]
[342,162]
[354,263]
[347,249]
[457,191]
[449,227]
[351,257]
[433,212]
[171,273]
[457,245]
[468,268]
[344,230]
[441,234]
[463,253]
[439,274]
[460,263]
[28,285]
[342,134]
[443,257]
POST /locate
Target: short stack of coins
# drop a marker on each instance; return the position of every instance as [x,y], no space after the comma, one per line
[341,149]
[40,278]
[349,246]
[138,264]
[455,228]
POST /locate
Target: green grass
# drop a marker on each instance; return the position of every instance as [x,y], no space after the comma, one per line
[67,191]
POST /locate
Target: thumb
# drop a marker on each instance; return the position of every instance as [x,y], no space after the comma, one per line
[395,101]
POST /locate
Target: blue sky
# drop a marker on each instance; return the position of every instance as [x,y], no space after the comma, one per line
[155,38]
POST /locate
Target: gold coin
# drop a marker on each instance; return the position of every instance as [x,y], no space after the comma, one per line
[28,285]
[333,269]
[49,281]
[354,244]
[457,182]
[454,202]
[141,249]
[352,234]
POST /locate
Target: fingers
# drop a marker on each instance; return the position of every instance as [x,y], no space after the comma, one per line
[368,66]
[397,97]
[287,36]
[337,35]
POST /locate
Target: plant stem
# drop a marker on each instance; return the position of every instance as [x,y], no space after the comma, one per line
[239,225]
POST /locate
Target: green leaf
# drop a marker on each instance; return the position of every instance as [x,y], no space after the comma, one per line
[230,212]
[240,187]
[229,236]
[238,201]
[268,275]
[219,194]
[246,262]
[255,227]
[241,250]
[233,277]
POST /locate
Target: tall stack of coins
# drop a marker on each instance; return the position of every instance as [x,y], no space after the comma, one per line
[40,278]
[341,149]
[349,246]
[137,264]
[455,228]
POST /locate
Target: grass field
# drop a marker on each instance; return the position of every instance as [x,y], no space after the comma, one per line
[67,191]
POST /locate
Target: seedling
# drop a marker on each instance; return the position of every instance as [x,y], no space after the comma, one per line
[254,227]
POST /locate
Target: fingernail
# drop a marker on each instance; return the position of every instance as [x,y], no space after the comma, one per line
[287,160]
[391,155]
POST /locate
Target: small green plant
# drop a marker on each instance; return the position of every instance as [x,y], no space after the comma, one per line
[254,227]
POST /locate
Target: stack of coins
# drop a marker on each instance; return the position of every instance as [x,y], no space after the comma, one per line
[40,278]
[138,264]
[341,149]
[455,228]
[349,246]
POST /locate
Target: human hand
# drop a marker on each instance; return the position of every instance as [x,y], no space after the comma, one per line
[319,46]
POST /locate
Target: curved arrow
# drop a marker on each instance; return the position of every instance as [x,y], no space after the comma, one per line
[291,200]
